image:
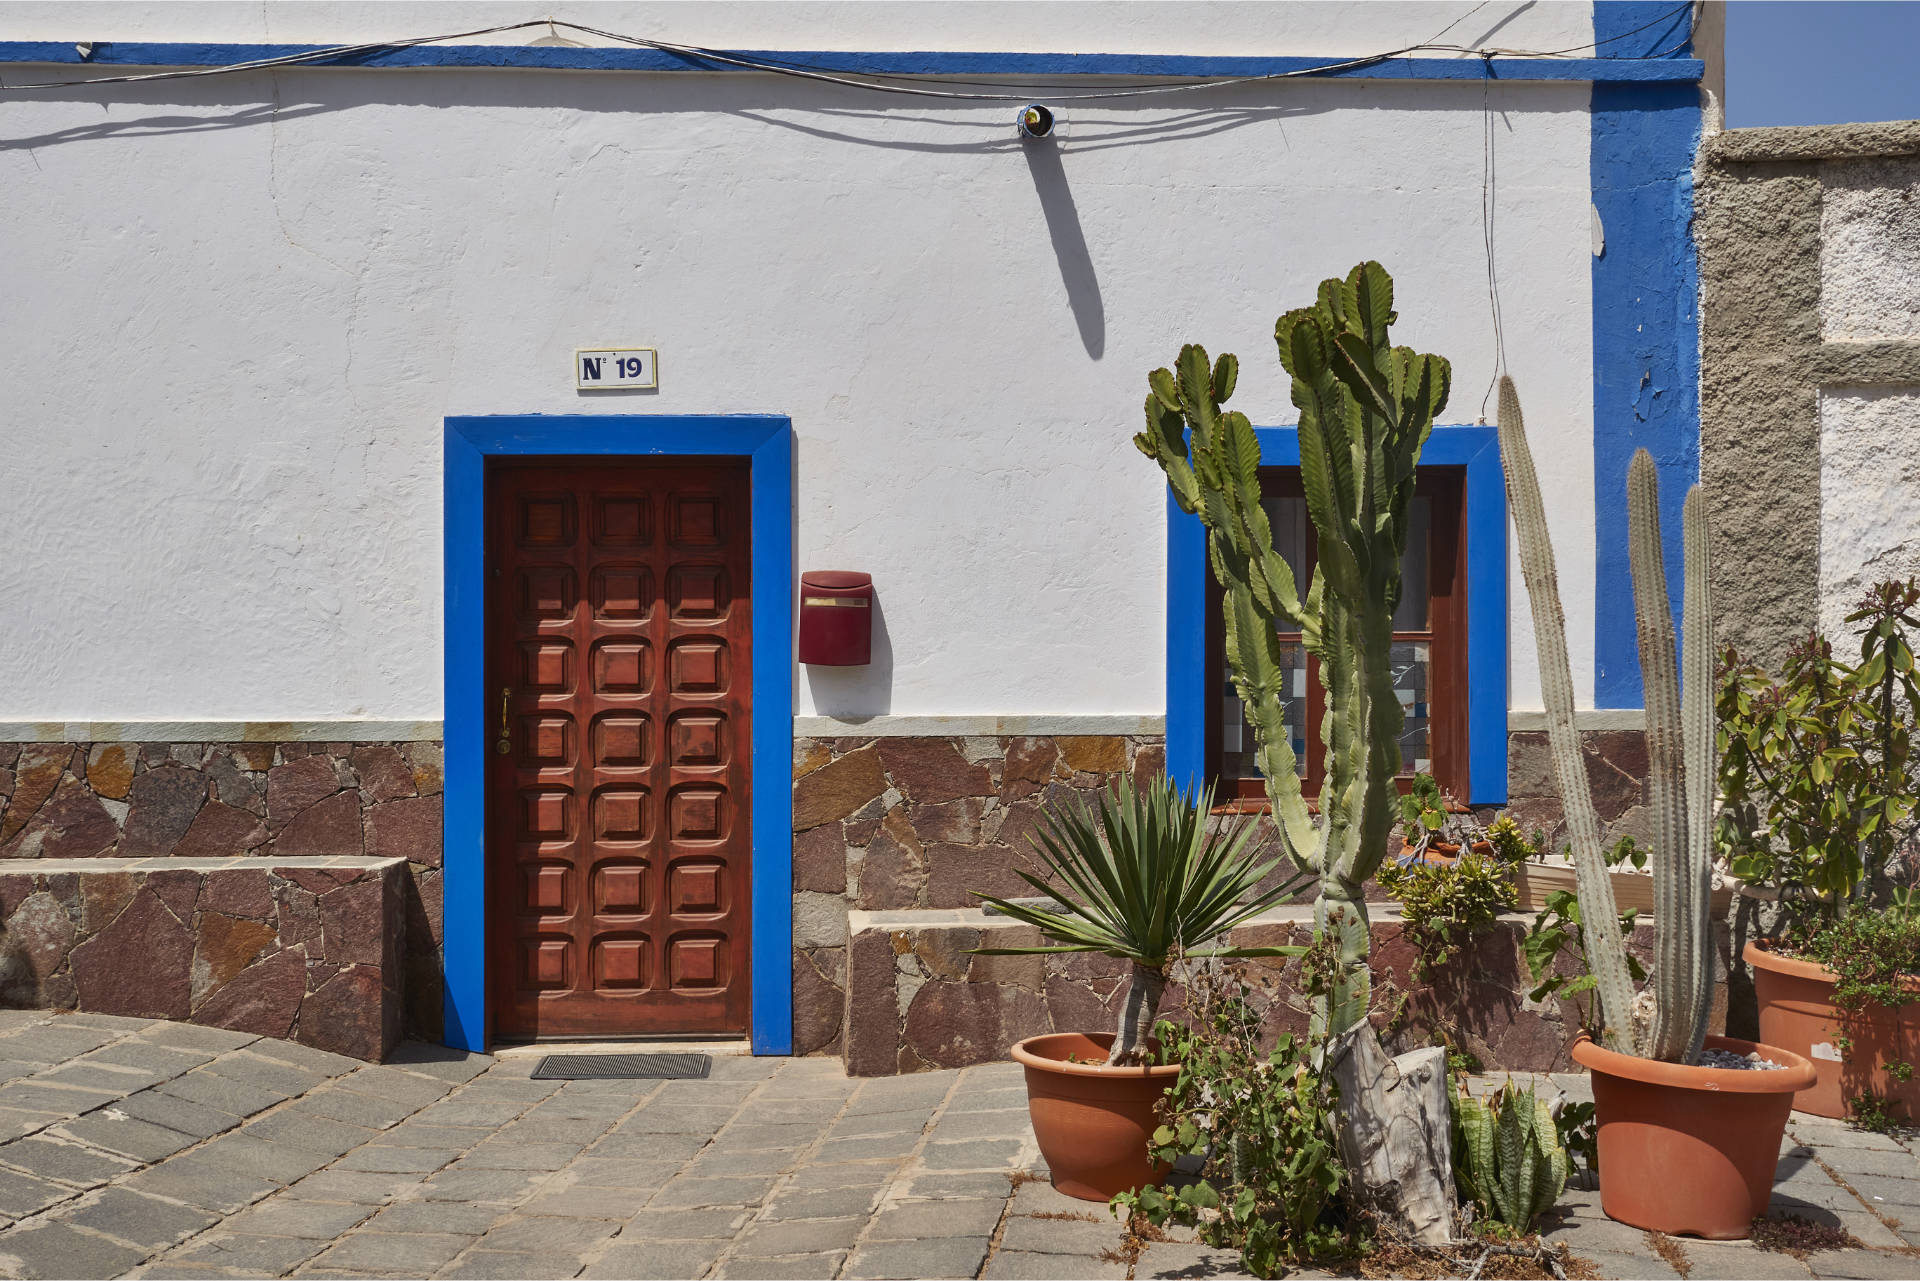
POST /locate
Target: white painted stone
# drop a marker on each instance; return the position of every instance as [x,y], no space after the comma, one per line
[242,507]
[1869,494]
[1869,250]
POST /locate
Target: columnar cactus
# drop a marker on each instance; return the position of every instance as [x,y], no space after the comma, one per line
[1366,409]
[1680,752]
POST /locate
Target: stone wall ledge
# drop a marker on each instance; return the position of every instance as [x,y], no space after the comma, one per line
[55,866]
[1814,142]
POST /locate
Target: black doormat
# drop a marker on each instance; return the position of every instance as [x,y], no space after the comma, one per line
[622,1067]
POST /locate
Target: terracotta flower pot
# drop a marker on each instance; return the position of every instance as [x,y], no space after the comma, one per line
[1797,1013]
[1690,1151]
[1092,1121]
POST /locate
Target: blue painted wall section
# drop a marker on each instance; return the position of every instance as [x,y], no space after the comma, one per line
[1475,448]
[767,442]
[1610,67]
[1646,324]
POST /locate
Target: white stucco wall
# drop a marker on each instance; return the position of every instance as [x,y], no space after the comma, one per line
[1869,251]
[240,308]
[1869,496]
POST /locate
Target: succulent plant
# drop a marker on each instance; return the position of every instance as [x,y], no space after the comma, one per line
[1366,409]
[1680,753]
[1508,1157]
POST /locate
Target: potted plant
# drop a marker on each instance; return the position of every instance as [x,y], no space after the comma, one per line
[1146,879]
[1689,1124]
[1819,777]
[1434,827]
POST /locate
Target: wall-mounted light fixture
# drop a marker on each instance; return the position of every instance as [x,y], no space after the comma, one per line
[1035,121]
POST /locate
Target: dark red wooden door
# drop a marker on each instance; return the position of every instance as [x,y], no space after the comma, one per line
[618,787]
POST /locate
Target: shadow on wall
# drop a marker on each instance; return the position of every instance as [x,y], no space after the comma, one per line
[1069,244]
[851,693]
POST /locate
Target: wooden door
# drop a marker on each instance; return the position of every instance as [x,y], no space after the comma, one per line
[618,781]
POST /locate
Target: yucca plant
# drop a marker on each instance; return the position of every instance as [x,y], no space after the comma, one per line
[1143,877]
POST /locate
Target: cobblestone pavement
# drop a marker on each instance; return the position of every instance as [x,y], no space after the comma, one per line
[137,1148]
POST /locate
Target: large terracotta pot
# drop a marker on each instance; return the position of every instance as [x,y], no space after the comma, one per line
[1092,1121]
[1690,1151]
[1797,1013]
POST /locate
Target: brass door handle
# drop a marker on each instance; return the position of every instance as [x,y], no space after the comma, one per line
[505,745]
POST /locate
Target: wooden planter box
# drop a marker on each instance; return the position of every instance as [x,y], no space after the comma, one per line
[1536,880]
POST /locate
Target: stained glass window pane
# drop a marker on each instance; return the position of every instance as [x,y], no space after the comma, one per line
[1412,661]
[1237,748]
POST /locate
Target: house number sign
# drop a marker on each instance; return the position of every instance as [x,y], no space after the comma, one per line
[615,369]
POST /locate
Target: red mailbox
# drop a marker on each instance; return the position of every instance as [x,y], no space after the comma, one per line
[836,618]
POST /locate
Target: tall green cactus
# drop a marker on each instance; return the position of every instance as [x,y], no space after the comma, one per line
[1366,409]
[1680,752]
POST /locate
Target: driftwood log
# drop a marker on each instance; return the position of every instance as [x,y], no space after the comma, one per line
[1395,1133]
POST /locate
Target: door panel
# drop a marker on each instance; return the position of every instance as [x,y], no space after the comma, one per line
[619,625]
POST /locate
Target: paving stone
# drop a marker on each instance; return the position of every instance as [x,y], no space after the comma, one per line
[545,1233]
[696,1193]
[22,1194]
[649,1147]
[109,1022]
[176,1113]
[1022,1265]
[902,1093]
[716,1162]
[675,1120]
[470,1112]
[815,1175]
[816,1112]
[439,1060]
[823,1203]
[1628,1267]
[981,1125]
[412,1134]
[496,1154]
[54,1042]
[287,1216]
[141,1140]
[305,1057]
[191,1036]
[1096,1232]
[1869,1230]
[1890,1192]
[202,1181]
[82,1074]
[1710,1262]
[239,1098]
[495,1186]
[656,1260]
[365,1111]
[33,1094]
[676,1225]
[974,1154]
[138,1219]
[1170,1259]
[461,1218]
[767,1238]
[1867,1265]
[743,1137]
[408,1254]
[879,1123]
[1852,1160]
[145,1056]
[616,1172]
[989,1101]
[253,1254]
[1041,1197]
[940,1257]
[65,1162]
[505,1264]
[360,1187]
[250,1067]
[381,1158]
[1585,1236]
[281,1162]
[396,1084]
[16,1124]
[183,1271]
[868,1147]
[303,1129]
[792,1267]
[587,1202]
[534,1128]
[915,1220]
[62,1250]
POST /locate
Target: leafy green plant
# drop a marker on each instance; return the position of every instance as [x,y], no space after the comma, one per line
[1510,844]
[1579,1128]
[1560,929]
[1431,818]
[1680,752]
[1366,410]
[1144,878]
[1446,906]
[1817,766]
[1508,1156]
[1262,1124]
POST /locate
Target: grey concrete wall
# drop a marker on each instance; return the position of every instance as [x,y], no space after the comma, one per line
[1772,206]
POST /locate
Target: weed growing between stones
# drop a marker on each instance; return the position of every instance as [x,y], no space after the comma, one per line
[1798,1236]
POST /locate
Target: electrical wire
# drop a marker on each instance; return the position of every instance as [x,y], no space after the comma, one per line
[882,82]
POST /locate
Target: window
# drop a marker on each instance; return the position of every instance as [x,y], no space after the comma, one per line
[1451,629]
[1429,644]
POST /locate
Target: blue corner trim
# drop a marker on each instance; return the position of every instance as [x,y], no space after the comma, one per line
[768,442]
[1609,69]
[1646,324]
[1475,448]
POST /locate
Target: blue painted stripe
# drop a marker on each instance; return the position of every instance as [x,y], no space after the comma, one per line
[1646,327]
[555,58]
[1477,449]
[767,441]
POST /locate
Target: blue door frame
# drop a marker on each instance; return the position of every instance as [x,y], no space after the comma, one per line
[766,441]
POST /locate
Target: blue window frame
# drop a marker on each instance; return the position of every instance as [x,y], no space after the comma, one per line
[1484,516]
[766,441]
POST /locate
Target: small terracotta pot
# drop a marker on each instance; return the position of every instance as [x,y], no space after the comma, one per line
[1797,1013]
[1092,1121]
[1690,1151]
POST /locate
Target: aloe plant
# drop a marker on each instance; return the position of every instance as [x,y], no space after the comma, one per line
[1671,1021]
[1143,877]
[1366,409]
